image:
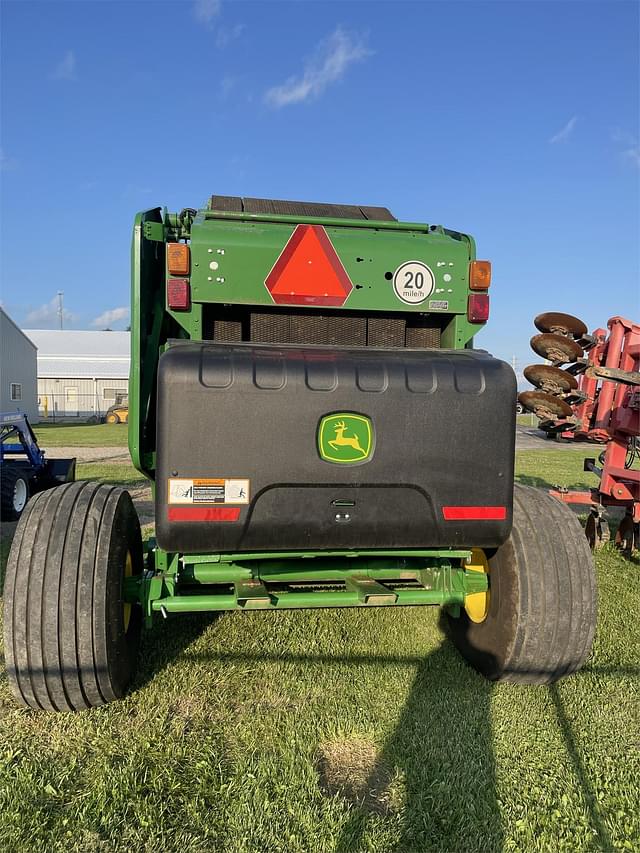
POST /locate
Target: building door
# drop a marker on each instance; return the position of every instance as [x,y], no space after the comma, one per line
[71,400]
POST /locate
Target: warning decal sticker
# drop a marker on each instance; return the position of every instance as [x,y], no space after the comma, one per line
[208,491]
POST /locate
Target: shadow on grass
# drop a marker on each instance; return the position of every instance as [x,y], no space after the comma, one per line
[539,483]
[439,753]
[604,839]
[166,641]
[441,748]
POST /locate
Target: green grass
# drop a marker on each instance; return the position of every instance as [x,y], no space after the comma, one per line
[81,435]
[527,419]
[548,468]
[120,474]
[337,731]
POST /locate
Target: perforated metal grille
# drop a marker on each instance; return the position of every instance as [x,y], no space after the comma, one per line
[231,325]
[227,331]
[314,328]
[386,331]
[422,337]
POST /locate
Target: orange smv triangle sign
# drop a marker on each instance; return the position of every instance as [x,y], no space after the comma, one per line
[308,271]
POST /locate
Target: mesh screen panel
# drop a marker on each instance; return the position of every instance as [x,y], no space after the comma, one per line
[234,324]
[227,331]
[386,331]
[423,337]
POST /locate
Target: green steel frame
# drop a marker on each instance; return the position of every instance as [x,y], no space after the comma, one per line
[177,583]
[267,581]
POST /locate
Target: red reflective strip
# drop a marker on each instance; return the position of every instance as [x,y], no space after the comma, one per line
[204,513]
[474,513]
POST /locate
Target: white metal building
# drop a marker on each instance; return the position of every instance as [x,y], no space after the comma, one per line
[80,374]
[18,384]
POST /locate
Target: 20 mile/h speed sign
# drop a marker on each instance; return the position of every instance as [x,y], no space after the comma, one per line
[413,282]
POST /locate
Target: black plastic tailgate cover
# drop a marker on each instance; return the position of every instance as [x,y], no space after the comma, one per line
[240,462]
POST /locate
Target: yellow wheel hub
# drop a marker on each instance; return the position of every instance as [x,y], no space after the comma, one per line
[128,572]
[476,604]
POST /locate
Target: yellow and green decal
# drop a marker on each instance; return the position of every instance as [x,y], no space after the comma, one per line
[345,438]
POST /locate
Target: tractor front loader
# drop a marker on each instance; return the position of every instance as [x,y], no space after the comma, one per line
[319,432]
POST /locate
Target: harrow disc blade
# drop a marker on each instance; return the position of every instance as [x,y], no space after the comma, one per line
[560,324]
[597,531]
[627,535]
[556,348]
[552,380]
[545,406]
[553,428]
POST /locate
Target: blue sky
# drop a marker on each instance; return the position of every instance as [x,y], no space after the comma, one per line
[517,122]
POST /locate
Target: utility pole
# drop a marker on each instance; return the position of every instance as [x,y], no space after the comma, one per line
[515,366]
[60,309]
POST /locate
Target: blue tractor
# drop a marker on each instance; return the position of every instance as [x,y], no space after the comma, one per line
[23,467]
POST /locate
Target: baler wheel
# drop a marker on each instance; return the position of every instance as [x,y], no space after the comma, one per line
[476,605]
[542,603]
[14,492]
[67,646]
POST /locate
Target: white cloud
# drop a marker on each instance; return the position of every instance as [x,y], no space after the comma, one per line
[205,11]
[331,61]
[633,154]
[47,316]
[227,84]
[630,146]
[563,134]
[225,35]
[66,68]
[109,318]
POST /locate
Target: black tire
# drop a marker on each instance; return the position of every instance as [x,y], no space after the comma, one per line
[66,644]
[14,492]
[542,605]
[112,418]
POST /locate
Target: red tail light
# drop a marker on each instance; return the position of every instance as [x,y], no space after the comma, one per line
[478,308]
[179,294]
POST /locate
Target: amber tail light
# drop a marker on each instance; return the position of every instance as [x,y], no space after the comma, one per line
[479,275]
[178,259]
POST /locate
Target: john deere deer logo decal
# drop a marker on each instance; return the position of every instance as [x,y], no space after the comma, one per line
[345,438]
